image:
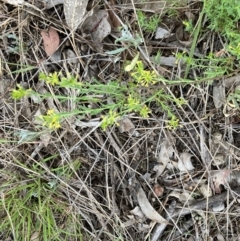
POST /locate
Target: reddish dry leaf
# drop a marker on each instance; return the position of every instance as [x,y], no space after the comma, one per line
[51,40]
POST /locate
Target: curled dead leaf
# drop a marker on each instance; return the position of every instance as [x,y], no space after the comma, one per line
[51,40]
[220,177]
[137,212]
[185,163]
[166,152]
[159,169]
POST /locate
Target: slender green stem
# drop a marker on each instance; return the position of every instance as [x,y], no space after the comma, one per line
[194,43]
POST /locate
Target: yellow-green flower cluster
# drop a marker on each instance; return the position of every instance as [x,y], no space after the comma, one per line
[173,123]
[109,120]
[145,111]
[65,82]
[133,103]
[143,77]
[51,120]
[20,92]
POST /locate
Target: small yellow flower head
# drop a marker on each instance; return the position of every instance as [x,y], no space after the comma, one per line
[132,103]
[145,111]
[173,123]
[50,78]
[186,23]
[109,120]
[50,112]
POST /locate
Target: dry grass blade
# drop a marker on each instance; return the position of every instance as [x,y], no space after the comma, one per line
[74,11]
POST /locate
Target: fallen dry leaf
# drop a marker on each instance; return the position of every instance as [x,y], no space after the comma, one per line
[185,163]
[74,11]
[218,207]
[137,212]
[112,15]
[71,57]
[51,3]
[183,37]
[97,25]
[220,237]
[45,138]
[183,197]
[162,33]
[190,16]
[125,125]
[166,152]
[147,208]
[51,40]
[219,97]
[15,2]
[220,177]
